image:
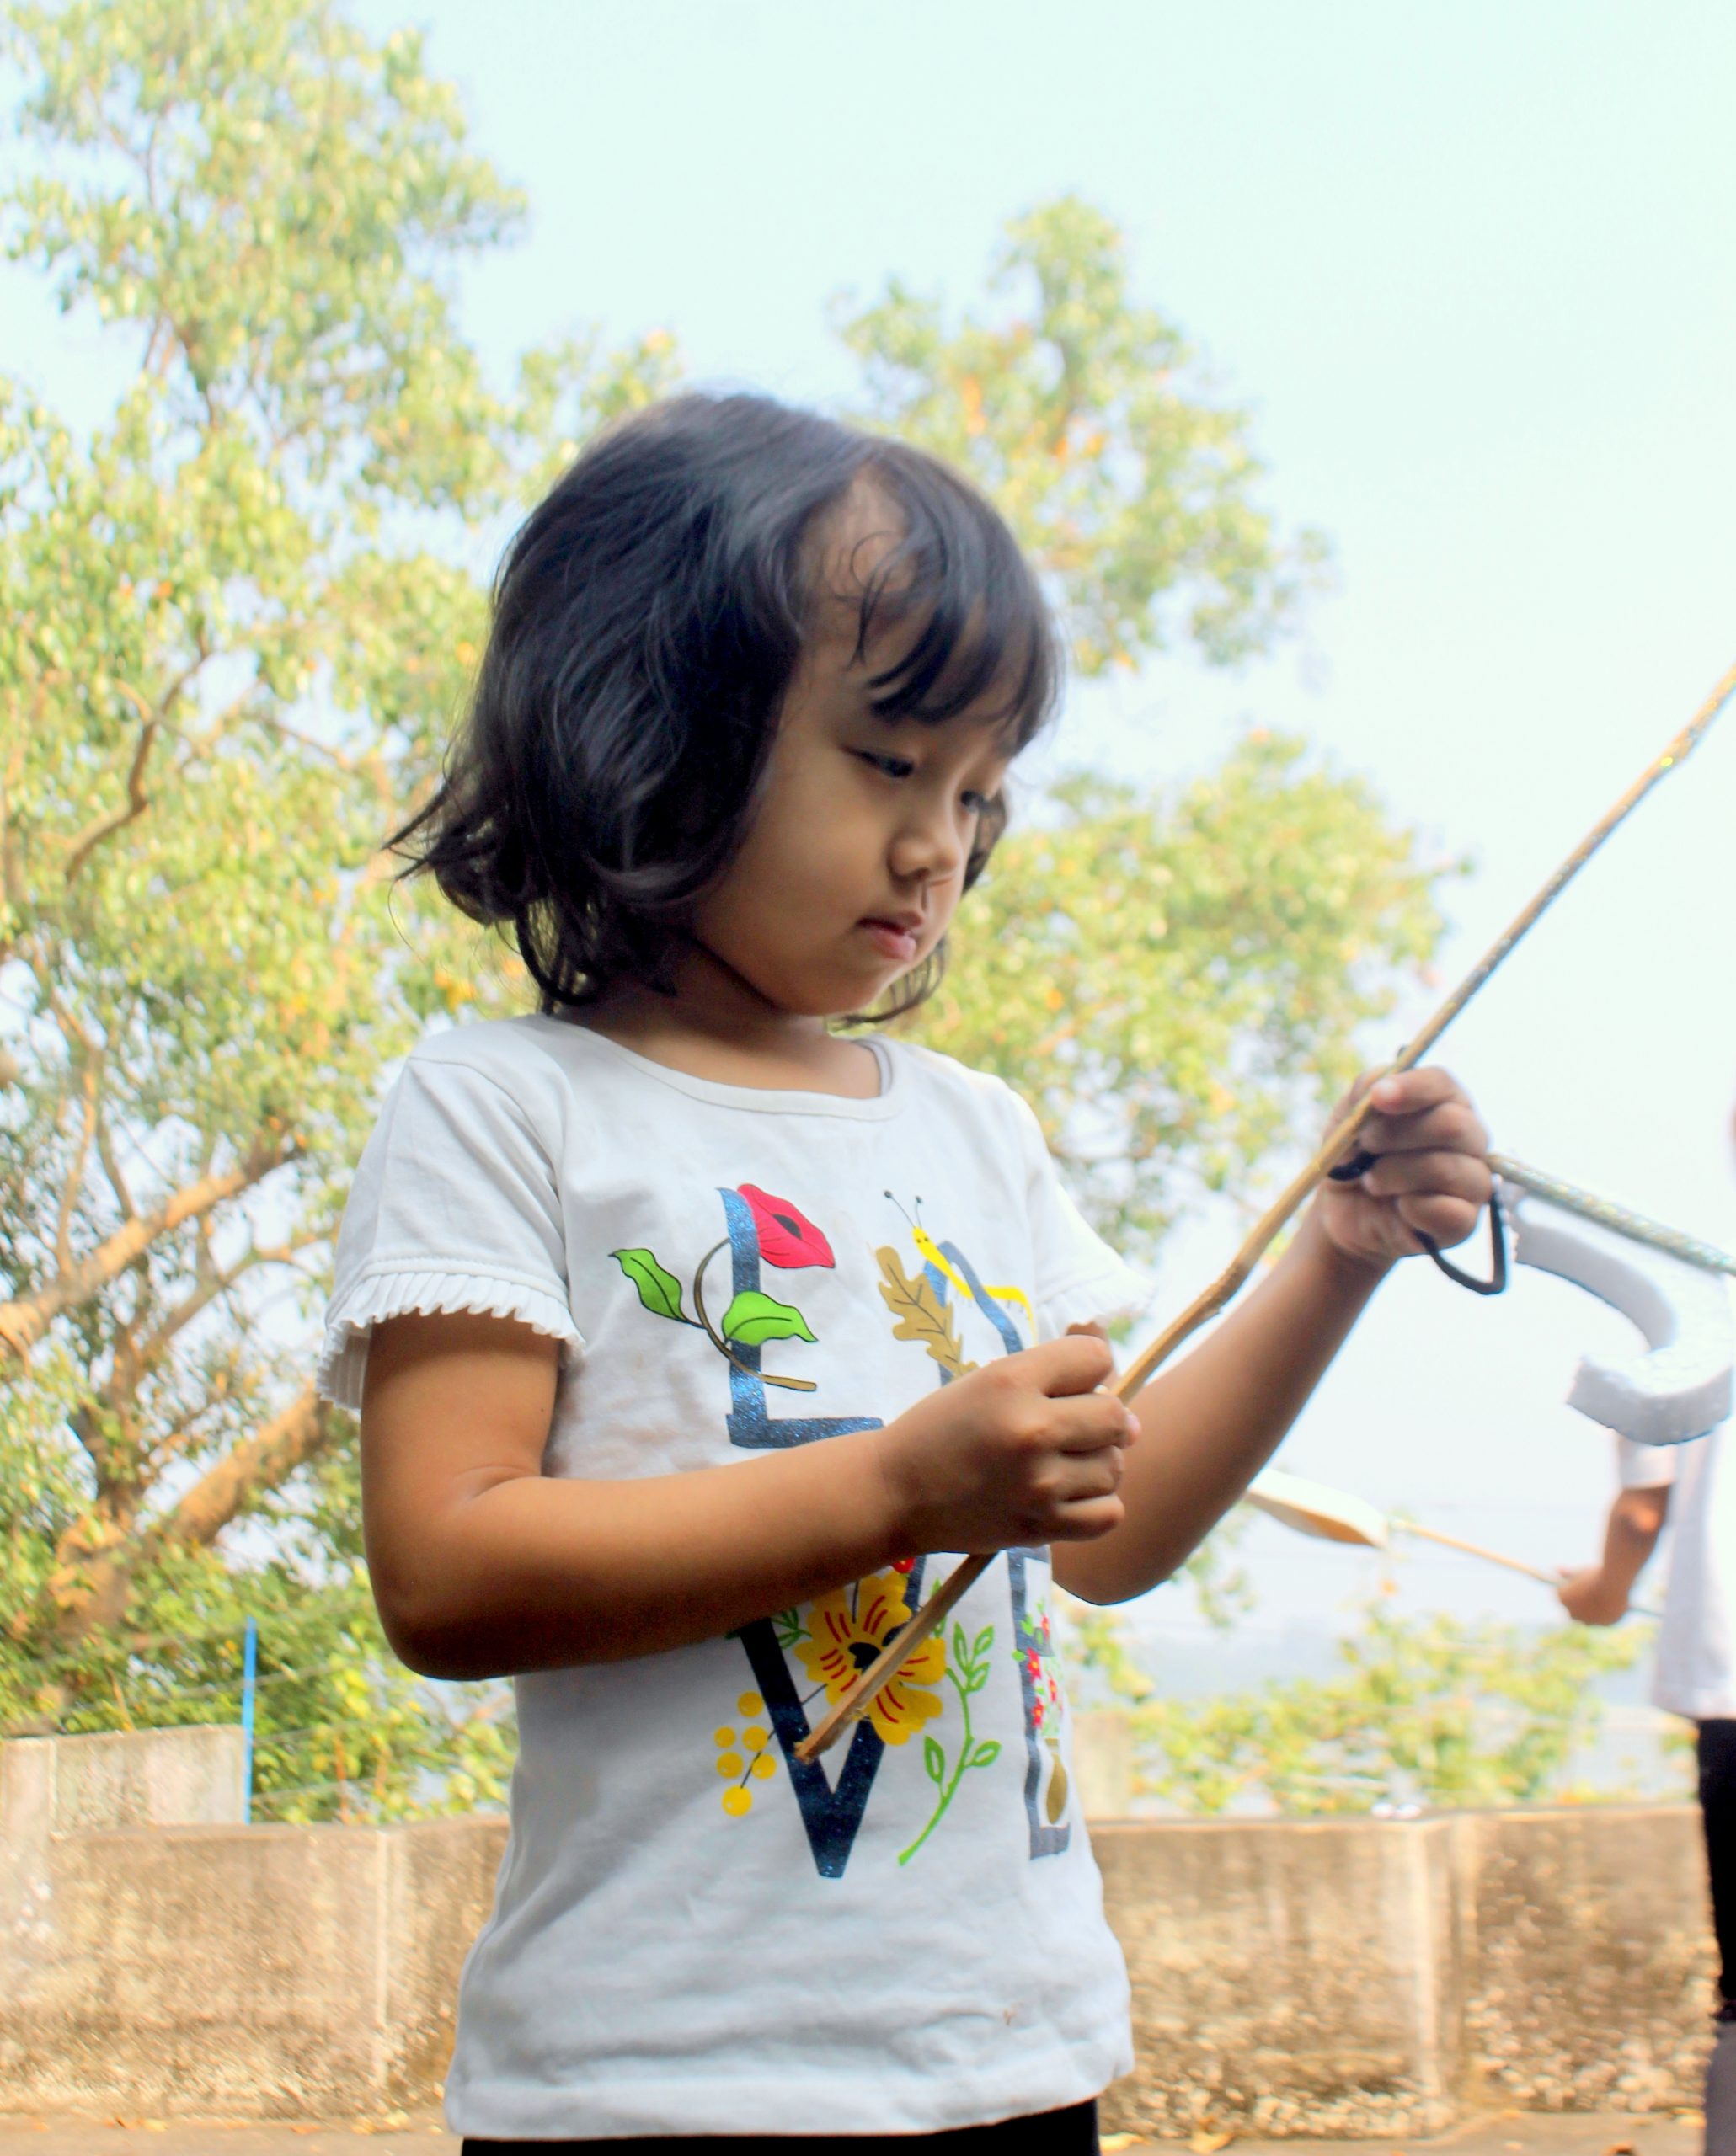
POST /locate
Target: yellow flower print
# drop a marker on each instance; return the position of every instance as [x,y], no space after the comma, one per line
[759,1764]
[848,1628]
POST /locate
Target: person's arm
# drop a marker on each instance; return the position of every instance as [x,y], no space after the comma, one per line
[1598,1595]
[482,1564]
[1211,1421]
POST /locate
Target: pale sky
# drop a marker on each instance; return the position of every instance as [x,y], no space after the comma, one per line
[1471,266]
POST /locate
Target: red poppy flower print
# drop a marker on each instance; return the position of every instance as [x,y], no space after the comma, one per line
[788,1237]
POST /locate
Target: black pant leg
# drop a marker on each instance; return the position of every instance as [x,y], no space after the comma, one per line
[1718,1810]
[1069,2133]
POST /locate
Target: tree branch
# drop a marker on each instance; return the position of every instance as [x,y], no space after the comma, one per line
[112,1168]
[213,1282]
[335,757]
[137,802]
[90,1084]
[306,1428]
[100,1556]
[26,1318]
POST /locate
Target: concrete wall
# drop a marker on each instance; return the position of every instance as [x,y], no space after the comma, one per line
[156,1955]
[1363,1976]
[1354,1976]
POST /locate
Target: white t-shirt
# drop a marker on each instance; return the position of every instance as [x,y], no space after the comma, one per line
[1695,1674]
[693,1932]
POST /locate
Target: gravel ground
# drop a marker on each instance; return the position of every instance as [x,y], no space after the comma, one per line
[1505,2133]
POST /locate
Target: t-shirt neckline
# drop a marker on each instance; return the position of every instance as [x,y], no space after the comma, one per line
[755,1100]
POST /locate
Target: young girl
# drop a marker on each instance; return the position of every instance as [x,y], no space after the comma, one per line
[695,1337]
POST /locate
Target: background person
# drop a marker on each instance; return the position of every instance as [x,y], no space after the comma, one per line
[1690,1485]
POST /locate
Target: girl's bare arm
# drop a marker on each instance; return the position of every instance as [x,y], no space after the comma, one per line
[1209,1422]
[481,1564]
[1212,1420]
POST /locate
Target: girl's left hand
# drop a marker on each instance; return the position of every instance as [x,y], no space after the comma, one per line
[1431,1174]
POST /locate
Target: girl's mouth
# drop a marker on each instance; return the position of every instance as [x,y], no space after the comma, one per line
[896,943]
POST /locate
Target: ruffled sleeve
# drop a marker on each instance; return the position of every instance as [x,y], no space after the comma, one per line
[455,1206]
[1079,1278]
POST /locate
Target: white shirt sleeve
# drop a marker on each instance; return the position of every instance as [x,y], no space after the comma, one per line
[1079,1278]
[1645,1467]
[455,1206]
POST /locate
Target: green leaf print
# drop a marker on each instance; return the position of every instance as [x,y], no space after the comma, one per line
[967,1673]
[660,1290]
[753,1319]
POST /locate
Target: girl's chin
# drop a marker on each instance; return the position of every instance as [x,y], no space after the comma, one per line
[833,989]
[847,999]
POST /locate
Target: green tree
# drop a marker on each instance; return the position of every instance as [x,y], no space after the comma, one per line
[1425,1710]
[234,632]
[1090,421]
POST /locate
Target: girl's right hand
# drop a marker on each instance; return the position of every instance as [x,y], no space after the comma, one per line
[1024,1451]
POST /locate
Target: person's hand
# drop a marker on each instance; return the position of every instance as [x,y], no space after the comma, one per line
[1024,1451]
[1431,1174]
[1590,1598]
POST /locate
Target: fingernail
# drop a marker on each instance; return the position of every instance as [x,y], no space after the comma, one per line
[1387,1094]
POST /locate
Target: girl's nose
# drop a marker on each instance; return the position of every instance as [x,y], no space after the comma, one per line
[929,846]
[931,856]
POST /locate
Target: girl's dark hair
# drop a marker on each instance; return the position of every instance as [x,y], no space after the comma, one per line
[647,618]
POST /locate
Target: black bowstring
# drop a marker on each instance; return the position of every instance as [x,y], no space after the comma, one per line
[1358,1166]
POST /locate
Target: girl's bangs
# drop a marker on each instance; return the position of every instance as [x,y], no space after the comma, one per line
[985,637]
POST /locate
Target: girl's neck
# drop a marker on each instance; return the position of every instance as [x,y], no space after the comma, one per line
[716,1026]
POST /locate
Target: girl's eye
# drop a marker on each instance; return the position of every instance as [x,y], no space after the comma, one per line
[975,803]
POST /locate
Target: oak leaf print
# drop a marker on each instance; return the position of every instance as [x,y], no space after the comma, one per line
[920,1316]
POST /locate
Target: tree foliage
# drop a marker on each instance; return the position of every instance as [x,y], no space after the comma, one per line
[233,638]
[236,620]
[1425,1710]
[1090,422]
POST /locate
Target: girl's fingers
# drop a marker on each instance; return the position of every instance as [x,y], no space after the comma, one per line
[1086,1520]
[1090,1475]
[1443,1174]
[1075,1363]
[1431,1166]
[1087,1423]
[1444,1220]
[1446,1126]
[1407,1092]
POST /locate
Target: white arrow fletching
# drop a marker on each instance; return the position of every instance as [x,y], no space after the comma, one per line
[1312,1508]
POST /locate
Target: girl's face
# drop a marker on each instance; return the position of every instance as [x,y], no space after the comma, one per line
[854,863]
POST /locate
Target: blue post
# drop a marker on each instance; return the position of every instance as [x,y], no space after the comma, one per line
[249,1666]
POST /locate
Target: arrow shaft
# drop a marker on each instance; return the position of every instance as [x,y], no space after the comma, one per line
[1476,1550]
